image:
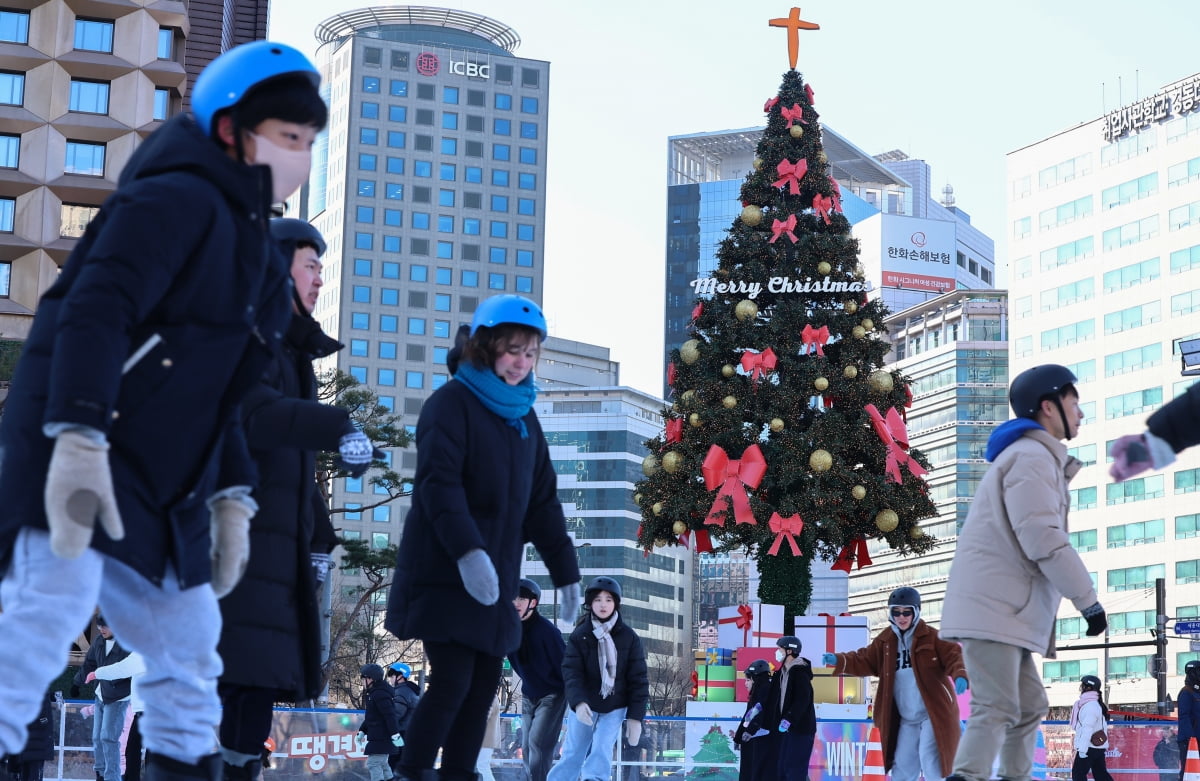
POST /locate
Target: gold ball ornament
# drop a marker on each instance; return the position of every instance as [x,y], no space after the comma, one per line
[689,351]
[678,528]
[758,163]
[868,324]
[851,307]
[821,383]
[820,461]
[728,370]
[881,381]
[672,461]
[649,465]
[859,492]
[660,543]
[850,372]
[822,157]
[752,215]
[745,310]
[729,402]
[823,268]
[695,421]
[688,396]
[886,521]
[858,332]
[657,508]
[796,131]
[637,498]
[776,425]
[916,533]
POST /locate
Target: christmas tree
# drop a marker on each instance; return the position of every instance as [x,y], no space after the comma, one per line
[786,436]
[715,747]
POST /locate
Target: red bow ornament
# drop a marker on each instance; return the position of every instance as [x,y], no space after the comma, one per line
[758,364]
[894,436]
[823,206]
[908,400]
[815,338]
[790,174]
[785,528]
[854,551]
[808,93]
[697,310]
[770,104]
[703,541]
[793,114]
[732,478]
[671,371]
[784,228]
[674,430]
[837,194]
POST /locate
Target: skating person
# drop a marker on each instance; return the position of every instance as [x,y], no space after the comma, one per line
[484,486]
[1089,719]
[915,707]
[127,479]
[792,711]
[754,736]
[379,735]
[1012,567]
[538,662]
[607,686]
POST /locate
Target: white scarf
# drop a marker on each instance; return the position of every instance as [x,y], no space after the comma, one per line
[607,652]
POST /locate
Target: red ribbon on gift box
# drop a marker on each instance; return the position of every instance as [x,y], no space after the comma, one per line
[831,630]
[785,528]
[732,478]
[744,620]
[790,174]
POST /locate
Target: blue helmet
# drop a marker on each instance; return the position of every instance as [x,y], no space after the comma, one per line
[402,668]
[512,309]
[228,78]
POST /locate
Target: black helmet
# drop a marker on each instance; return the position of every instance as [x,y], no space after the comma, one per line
[602,583]
[758,667]
[1192,668]
[372,671]
[906,597]
[291,233]
[789,643]
[529,589]
[1041,382]
[1090,682]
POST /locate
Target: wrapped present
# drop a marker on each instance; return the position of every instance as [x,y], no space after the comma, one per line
[716,682]
[722,656]
[826,633]
[754,624]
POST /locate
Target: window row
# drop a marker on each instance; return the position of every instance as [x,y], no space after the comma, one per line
[453,96]
[93,35]
[447,145]
[82,157]
[471,226]
[87,96]
[370,109]
[441,249]
[446,172]
[387,378]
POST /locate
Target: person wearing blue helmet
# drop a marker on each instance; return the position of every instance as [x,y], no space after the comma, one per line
[484,486]
[128,479]
[404,696]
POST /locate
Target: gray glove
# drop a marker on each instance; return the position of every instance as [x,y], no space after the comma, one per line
[571,601]
[79,488]
[230,519]
[354,453]
[479,576]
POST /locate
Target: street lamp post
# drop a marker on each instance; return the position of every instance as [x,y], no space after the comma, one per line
[556,616]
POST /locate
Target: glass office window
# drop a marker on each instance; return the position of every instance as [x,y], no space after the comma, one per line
[503,102]
[495,281]
[499,203]
[498,229]
[529,105]
[524,257]
[360,321]
[449,146]
[398,88]
[471,226]
[498,255]
[420,220]
[473,174]
[445,223]
[390,270]
[445,197]
[524,284]
[393,191]
[526,206]
[418,273]
[358,347]
[94,35]
[524,232]
[12,88]
[367,162]
[445,250]
[162,103]
[528,156]
[393,218]
[423,169]
[89,97]
[365,214]
[397,113]
[416,326]
[387,351]
[389,296]
[397,139]
[85,158]
[386,377]
[443,276]
[501,152]
[389,323]
[447,172]
[14,26]
[441,302]
[449,120]
[527,181]
[502,127]
[8,214]
[499,177]
[361,294]
[441,329]
[369,110]
[415,380]
[470,278]
[529,130]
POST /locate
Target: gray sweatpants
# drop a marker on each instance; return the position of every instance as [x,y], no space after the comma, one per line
[916,753]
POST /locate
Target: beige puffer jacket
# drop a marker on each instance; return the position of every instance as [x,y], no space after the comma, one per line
[1014,563]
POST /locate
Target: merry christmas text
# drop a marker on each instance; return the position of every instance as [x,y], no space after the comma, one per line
[708,286]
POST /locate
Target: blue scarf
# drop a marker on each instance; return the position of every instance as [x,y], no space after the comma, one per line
[511,402]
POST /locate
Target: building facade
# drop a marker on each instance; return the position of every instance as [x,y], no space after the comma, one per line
[429,186]
[1104,276]
[83,82]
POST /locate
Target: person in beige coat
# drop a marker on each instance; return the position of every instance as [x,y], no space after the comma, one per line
[1012,566]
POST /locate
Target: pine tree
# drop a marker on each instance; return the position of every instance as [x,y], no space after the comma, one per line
[780,390]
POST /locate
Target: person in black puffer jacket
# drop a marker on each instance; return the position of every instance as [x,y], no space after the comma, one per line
[379,735]
[604,671]
[404,697]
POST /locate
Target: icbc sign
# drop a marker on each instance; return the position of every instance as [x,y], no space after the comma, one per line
[427,64]
[476,70]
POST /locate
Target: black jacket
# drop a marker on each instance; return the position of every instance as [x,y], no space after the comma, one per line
[99,656]
[478,485]
[1178,421]
[759,693]
[581,671]
[539,659]
[404,697]
[162,319]
[273,611]
[797,703]
[379,719]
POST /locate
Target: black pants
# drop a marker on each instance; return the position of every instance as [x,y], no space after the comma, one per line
[246,716]
[452,713]
[1093,762]
[133,751]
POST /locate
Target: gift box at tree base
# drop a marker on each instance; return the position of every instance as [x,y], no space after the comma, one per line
[748,625]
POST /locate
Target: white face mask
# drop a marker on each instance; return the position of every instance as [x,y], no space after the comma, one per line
[780,655]
[289,167]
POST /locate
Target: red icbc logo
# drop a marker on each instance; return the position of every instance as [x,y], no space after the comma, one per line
[427,64]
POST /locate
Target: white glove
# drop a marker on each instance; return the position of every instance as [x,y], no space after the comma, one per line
[633,731]
[230,542]
[87,711]
[571,601]
[479,576]
[79,488]
[360,740]
[397,741]
[584,713]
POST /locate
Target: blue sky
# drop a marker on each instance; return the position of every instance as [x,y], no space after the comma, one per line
[957,83]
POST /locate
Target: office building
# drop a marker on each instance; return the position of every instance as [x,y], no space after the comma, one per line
[84,81]
[1104,276]
[429,185]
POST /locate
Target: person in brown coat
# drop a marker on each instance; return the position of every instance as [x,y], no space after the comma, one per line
[915,706]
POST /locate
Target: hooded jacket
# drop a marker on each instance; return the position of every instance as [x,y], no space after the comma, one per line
[934,663]
[162,319]
[1014,563]
[379,719]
